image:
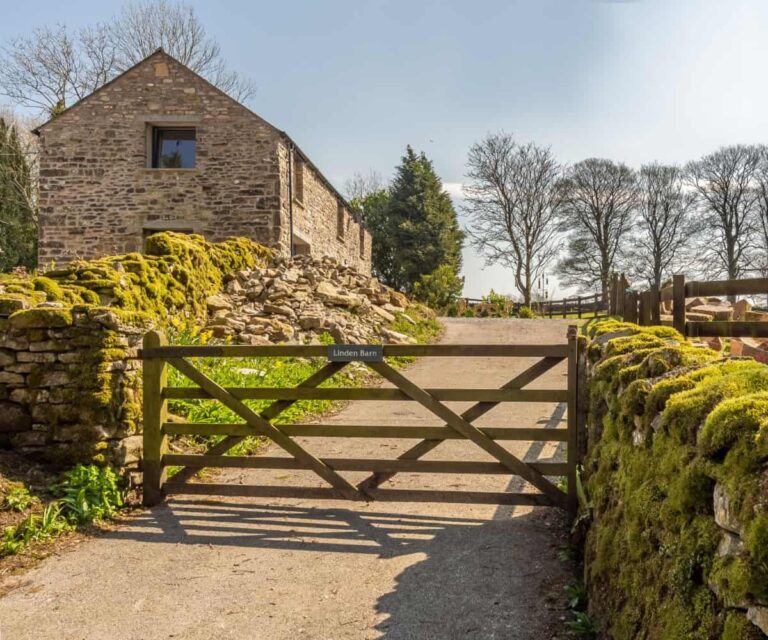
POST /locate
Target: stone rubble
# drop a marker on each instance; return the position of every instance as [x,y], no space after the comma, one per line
[296,300]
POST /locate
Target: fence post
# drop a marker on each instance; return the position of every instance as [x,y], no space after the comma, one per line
[582,406]
[632,300]
[578,306]
[622,297]
[655,305]
[613,295]
[645,308]
[565,307]
[573,407]
[678,302]
[550,308]
[595,309]
[154,377]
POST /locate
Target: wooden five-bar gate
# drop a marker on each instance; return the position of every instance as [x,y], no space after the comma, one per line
[157,356]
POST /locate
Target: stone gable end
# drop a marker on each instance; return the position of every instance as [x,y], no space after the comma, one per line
[100,195]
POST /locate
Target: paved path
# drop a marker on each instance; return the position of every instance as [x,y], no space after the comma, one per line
[261,569]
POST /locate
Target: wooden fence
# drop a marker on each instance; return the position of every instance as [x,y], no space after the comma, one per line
[591,306]
[157,356]
[644,307]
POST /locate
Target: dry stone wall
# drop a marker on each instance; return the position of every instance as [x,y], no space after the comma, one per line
[69,388]
[69,380]
[676,479]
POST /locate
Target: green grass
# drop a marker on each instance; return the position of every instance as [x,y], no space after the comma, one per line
[279,372]
[255,373]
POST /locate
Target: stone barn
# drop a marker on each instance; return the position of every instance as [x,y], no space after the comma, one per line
[160,148]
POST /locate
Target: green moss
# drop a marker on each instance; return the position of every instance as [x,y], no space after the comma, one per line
[734,419]
[651,551]
[53,292]
[169,284]
[633,343]
[737,627]
[41,318]
[685,411]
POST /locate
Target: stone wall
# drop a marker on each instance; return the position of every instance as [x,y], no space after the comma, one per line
[68,381]
[68,388]
[676,479]
[317,216]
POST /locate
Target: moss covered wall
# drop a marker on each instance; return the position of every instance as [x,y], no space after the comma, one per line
[676,479]
[69,390]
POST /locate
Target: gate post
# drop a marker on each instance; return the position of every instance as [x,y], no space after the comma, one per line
[154,378]
[573,421]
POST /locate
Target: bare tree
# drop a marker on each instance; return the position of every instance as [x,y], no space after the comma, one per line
[513,202]
[724,183]
[55,66]
[599,199]
[43,70]
[142,27]
[665,224]
[360,185]
[761,206]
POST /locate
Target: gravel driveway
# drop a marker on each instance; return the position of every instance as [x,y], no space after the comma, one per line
[287,569]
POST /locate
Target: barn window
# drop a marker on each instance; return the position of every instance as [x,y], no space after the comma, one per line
[173,148]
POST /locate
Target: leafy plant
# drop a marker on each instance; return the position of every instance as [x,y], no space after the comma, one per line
[567,553]
[19,499]
[33,528]
[89,493]
[582,625]
[526,312]
[577,596]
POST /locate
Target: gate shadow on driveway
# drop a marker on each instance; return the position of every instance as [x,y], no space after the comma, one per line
[250,525]
[496,576]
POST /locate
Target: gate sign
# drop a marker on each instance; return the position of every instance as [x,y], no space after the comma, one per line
[355,352]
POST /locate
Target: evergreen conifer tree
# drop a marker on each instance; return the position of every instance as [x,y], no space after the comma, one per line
[18,218]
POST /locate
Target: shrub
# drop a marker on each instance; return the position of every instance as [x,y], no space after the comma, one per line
[440,288]
[526,312]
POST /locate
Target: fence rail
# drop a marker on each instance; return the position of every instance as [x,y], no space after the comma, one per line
[580,306]
[644,307]
[590,306]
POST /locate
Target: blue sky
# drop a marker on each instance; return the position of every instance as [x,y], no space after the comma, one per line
[354,82]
